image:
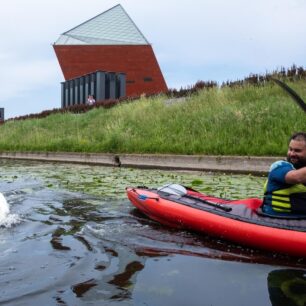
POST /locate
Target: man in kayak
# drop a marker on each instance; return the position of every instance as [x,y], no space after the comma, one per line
[285,189]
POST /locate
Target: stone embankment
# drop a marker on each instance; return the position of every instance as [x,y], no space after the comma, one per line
[230,164]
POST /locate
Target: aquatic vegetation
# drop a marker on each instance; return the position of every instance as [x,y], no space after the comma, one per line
[110,182]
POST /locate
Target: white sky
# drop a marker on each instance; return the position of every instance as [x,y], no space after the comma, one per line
[193,40]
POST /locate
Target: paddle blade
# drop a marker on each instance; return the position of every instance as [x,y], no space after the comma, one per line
[292,93]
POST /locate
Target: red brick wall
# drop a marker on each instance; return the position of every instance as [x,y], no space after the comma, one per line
[138,62]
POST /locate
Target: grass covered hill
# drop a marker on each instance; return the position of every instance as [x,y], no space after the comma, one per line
[228,120]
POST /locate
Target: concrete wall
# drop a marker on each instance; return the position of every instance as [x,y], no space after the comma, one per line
[231,164]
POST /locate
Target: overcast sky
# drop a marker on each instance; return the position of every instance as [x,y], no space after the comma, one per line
[193,40]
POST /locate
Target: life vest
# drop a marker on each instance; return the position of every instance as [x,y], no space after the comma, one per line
[287,200]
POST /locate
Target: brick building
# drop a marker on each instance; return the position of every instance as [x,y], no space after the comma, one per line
[111,42]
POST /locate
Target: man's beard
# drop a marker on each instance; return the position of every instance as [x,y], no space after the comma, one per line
[299,164]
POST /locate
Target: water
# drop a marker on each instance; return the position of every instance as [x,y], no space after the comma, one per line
[69,236]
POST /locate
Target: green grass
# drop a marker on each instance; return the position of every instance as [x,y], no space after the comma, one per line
[250,120]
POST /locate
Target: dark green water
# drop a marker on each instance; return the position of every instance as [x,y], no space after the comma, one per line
[73,238]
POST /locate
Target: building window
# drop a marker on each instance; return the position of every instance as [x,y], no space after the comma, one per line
[147,79]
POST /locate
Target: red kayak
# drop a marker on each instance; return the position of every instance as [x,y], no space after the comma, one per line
[239,221]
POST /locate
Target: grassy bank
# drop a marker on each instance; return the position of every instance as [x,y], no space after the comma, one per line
[249,120]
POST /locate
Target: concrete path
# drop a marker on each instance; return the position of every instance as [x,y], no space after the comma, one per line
[231,164]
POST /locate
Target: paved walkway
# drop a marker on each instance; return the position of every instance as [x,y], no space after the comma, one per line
[232,164]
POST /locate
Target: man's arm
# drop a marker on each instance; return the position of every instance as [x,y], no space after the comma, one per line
[296,176]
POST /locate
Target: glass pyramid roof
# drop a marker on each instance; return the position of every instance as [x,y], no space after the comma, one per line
[112,27]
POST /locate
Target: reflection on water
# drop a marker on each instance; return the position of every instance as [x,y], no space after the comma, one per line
[287,287]
[81,288]
[78,241]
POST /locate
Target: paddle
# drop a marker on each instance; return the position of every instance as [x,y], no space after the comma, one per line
[179,190]
[292,93]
